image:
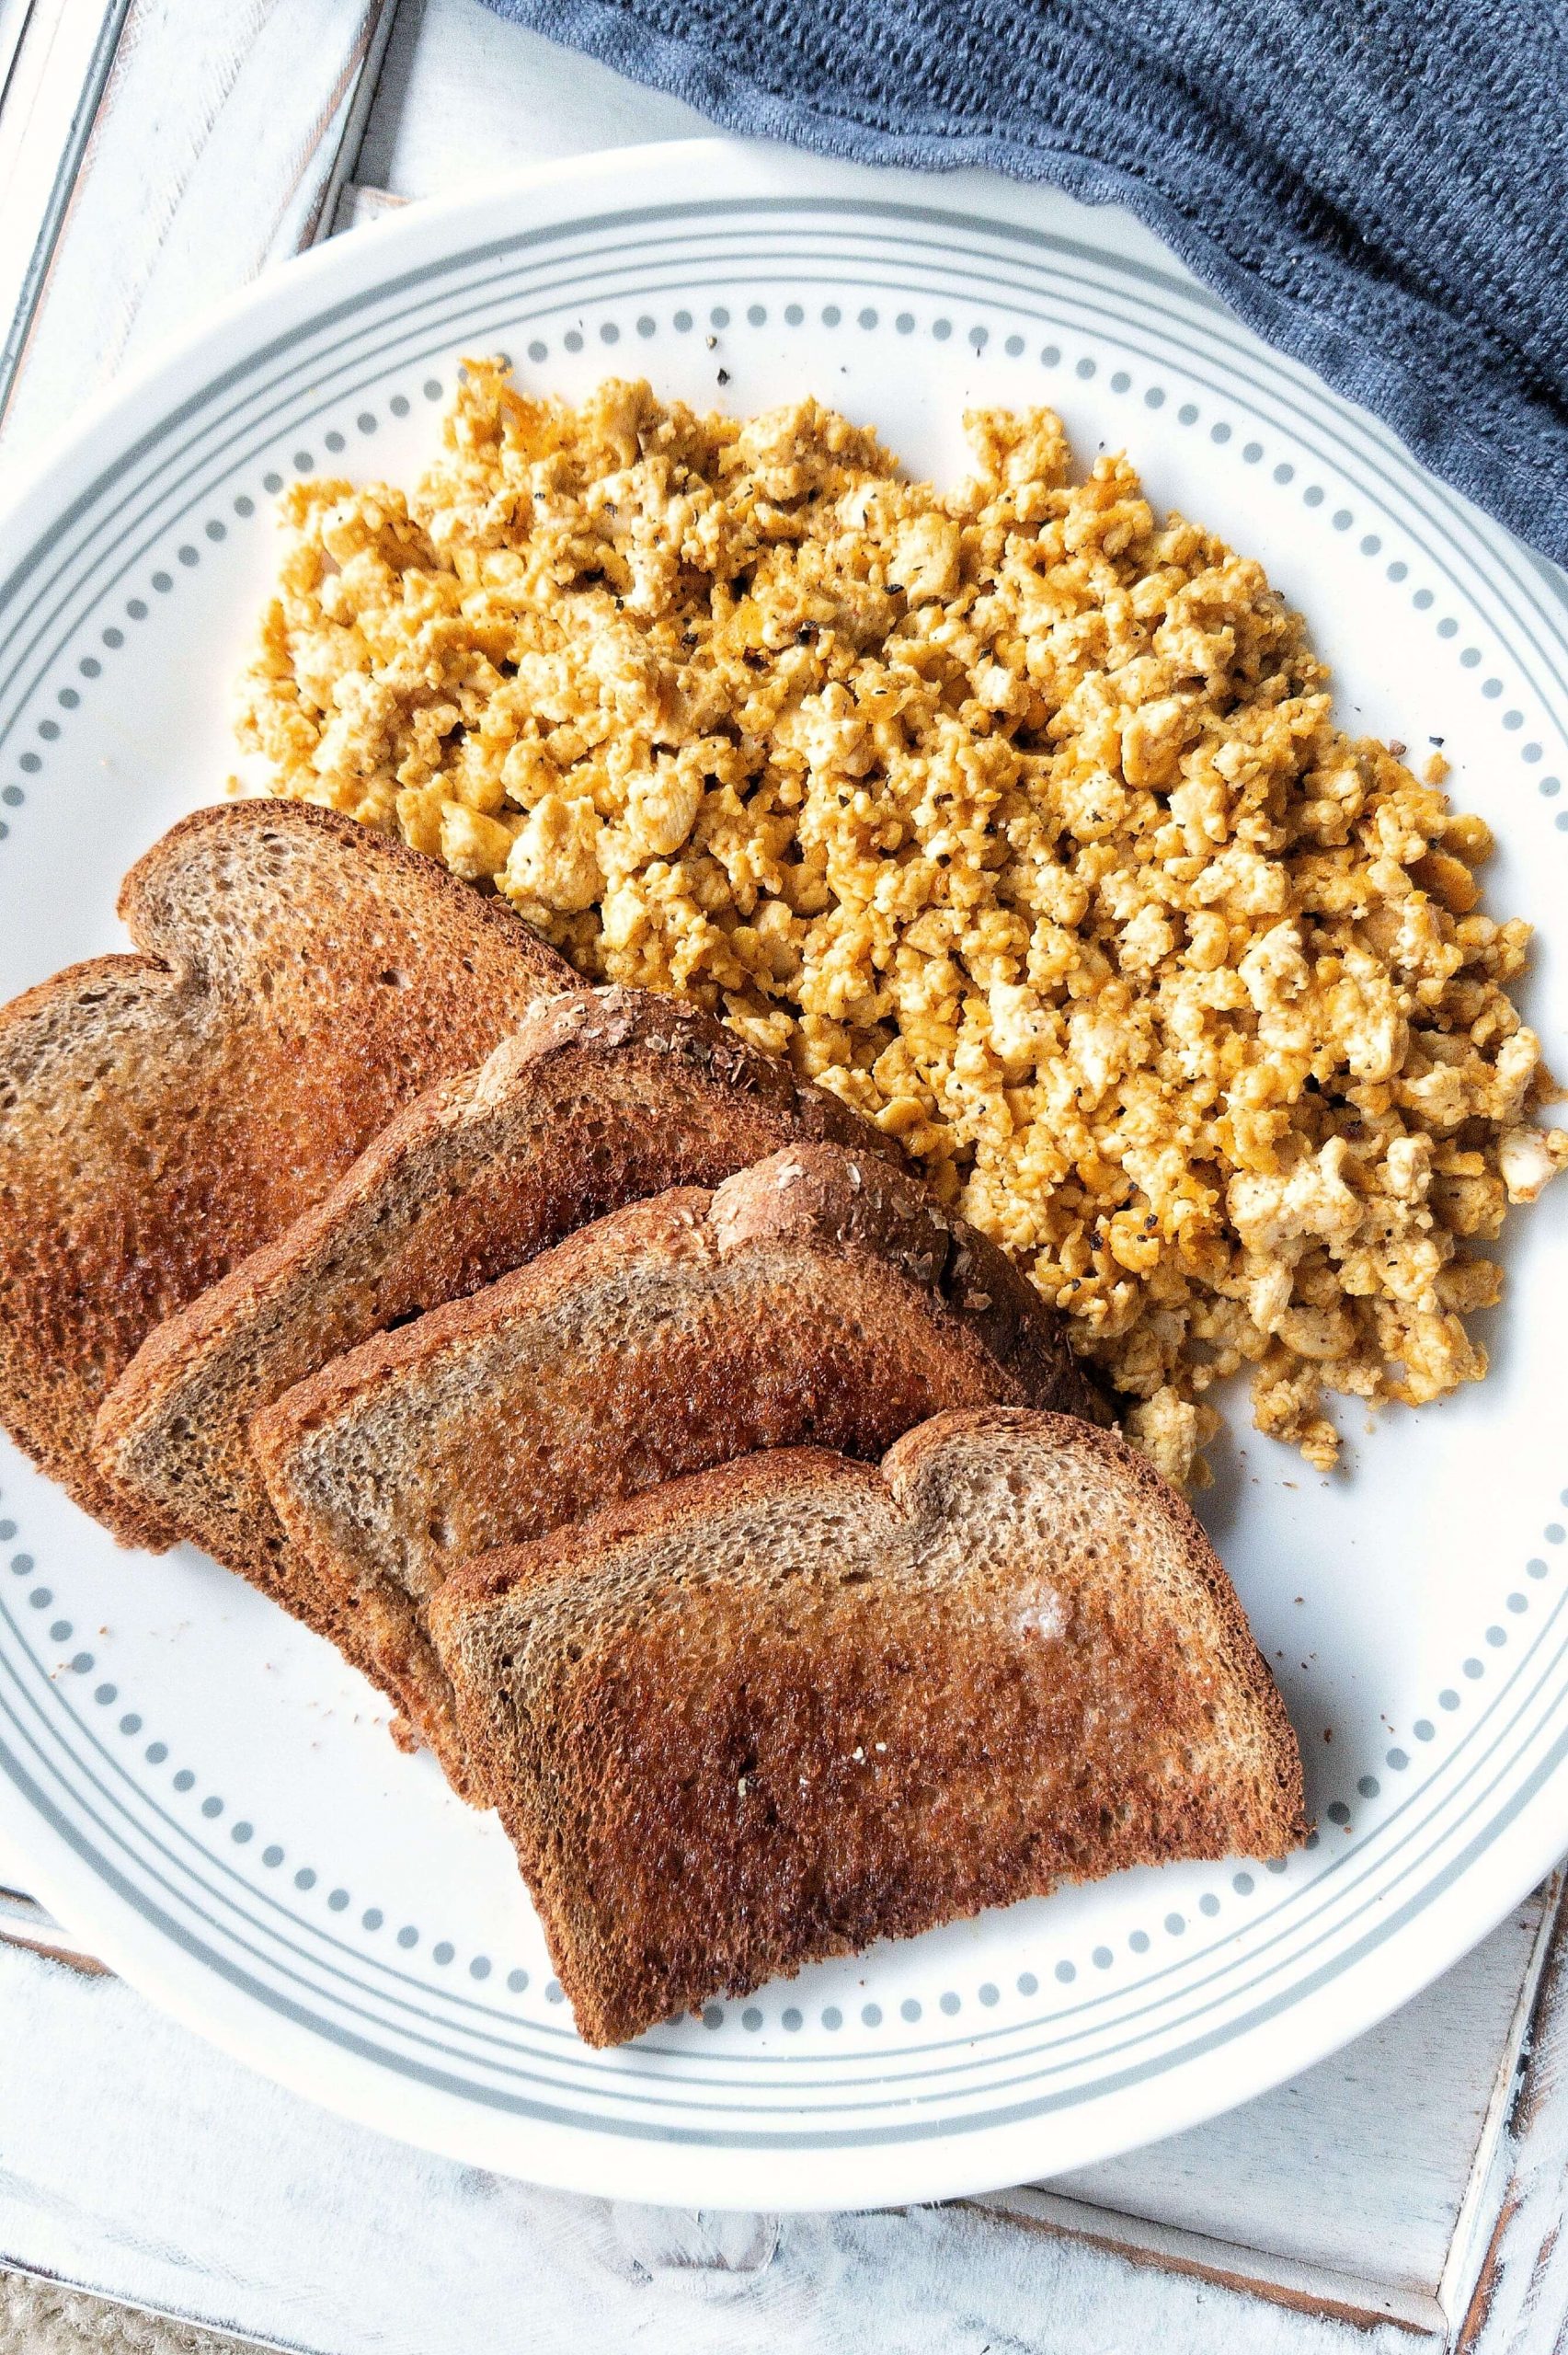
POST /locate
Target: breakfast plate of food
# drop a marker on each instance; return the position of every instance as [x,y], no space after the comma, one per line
[781,1317]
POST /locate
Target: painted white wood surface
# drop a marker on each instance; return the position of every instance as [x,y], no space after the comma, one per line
[217,149]
[53,56]
[1363,2162]
[462,93]
[14,15]
[1370,2188]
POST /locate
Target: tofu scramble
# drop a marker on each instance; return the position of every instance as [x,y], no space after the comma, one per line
[1016,816]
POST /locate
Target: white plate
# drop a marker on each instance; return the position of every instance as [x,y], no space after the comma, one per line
[205,1791]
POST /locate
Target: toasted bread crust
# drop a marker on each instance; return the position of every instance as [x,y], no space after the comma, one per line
[818,1295]
[296,979]
[852,1206]
[765,1715]
[813,1193]
[598,1098]
[154,914]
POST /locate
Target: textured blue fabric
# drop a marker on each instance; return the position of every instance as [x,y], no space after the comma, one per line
[1380,186]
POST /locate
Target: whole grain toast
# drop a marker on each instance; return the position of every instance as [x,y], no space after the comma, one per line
[774,1712]
[297,979]
[818,1296]
[598,1098]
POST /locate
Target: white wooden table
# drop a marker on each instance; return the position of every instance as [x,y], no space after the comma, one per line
[154,154]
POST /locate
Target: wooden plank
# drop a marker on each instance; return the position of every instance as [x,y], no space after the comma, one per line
[24,1923]
[1363,2164]
[1321,2291]
[1497,2155]
[147,2166]
[355,121]
[161,223]
[464,93]
[55,56]
[1516,2300]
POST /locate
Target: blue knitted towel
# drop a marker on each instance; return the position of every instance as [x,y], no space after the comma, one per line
[1380,186]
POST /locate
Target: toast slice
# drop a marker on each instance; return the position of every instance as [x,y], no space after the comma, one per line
[771,1713]
[598,1098]
[818,1296]
[297,979]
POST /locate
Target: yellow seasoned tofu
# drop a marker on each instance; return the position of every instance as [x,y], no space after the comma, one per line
[1016,815]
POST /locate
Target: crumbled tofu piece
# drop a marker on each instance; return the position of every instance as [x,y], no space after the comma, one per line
[1015,815]
[1527,1159]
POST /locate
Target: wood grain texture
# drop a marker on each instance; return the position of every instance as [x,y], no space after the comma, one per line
[1362,2164]
[1517,2302]
[1319,2291]
[161,223]
[55,56]
[23,1922]
[14,15]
